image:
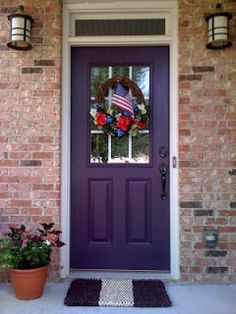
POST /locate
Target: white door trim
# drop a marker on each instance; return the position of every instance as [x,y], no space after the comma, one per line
[169,9]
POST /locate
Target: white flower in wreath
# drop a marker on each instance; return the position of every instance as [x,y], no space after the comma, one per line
[93,112]
[110,111]
[118,115]
[142,109]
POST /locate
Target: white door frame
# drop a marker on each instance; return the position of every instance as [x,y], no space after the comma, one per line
[127,9]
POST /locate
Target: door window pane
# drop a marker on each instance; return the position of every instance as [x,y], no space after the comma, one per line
[99,148]
[119,150]
[141,76]
[141,148]
[98,75]
[133,147]
[122,71]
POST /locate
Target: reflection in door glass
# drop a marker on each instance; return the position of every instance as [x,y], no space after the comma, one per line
[141,76]
[99,148]
[122,71]
[119,150]
[98,75]
[126,149]
[141,148]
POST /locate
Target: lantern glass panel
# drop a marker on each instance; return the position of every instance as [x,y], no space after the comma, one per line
[18,22]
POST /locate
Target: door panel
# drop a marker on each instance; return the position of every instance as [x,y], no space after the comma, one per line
[118,217]
[138,216]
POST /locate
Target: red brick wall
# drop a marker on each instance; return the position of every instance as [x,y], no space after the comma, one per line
[207,151]
[30,105]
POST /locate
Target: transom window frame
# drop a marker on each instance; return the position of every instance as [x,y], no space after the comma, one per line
[129,9]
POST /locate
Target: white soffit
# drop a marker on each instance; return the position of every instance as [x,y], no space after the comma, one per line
[107,1]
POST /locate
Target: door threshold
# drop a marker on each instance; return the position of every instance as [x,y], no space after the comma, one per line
[118,274]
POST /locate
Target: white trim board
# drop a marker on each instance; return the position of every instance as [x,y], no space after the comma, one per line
[169,10]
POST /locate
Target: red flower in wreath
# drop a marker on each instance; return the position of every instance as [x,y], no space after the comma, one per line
[141,125]
[124,123]
[101,118]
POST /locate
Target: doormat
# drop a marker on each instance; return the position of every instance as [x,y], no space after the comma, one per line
[109,292]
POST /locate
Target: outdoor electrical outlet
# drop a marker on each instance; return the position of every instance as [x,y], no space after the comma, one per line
[210,237]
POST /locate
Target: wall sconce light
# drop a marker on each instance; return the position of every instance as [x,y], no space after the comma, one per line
[218,29]
[20,28]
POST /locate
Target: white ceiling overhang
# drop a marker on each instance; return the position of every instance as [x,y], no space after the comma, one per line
[108,1]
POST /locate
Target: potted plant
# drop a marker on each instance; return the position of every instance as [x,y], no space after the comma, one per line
[27,253]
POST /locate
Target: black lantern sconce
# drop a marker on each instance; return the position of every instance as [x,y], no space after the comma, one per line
[20,28]
[218,29]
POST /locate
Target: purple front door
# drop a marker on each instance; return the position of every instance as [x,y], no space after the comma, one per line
[120,216]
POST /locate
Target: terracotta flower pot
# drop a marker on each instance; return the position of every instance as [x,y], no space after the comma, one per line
[29,283]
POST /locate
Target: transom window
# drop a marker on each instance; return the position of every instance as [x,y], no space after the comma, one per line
[116,27]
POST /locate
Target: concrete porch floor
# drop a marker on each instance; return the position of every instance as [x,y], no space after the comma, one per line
[186,299]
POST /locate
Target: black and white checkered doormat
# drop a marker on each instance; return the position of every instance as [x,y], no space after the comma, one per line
[109,292]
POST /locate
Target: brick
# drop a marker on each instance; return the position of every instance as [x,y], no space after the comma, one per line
[215,92]
[42,155]
[11,211]
[44,62]
[203,212]
[9,179]
[184,100]
[217,270]
[190,77]
[227,229]
[184,132]
[184,85]
[228,246]
[30,163]
[37,39]
[43,93]
[227,213]
[8,163]
[4,219]
[7,10]
[31,211]
[197,69]
[3,85]
[199,245]
[31,70]
[43,139]
[214,253]
[4,194]
[31,147]
[20,203]
[43,187]
[191,204]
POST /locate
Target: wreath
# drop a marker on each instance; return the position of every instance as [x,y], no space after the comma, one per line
[120,121]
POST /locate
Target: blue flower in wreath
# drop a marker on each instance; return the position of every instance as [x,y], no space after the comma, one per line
[119,133]
[136,109]
[126,114]
[109,119]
